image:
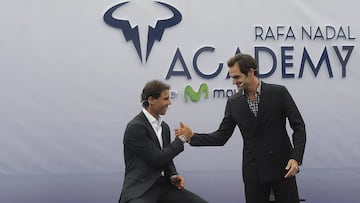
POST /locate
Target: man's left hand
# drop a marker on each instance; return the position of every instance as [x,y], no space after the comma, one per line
[292,167]
[178,181]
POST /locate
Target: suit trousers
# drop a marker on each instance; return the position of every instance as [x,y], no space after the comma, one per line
[285,191]
[162,191]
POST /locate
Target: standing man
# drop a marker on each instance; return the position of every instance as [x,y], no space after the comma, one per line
[260,110]
[150,173]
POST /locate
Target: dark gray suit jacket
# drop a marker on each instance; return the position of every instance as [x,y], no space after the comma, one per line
[267,147]
[144,158]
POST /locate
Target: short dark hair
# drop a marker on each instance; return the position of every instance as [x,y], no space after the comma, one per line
[153,89]
[245,62]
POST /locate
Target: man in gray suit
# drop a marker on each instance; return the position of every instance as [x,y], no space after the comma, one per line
[150,173]
[260,110]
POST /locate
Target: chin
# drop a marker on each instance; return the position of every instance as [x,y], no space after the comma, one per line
[241,88]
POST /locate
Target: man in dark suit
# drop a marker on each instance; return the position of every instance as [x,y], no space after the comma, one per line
[260,110]
[150,173]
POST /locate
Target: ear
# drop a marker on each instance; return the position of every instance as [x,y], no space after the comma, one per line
[252,71]
[151,100]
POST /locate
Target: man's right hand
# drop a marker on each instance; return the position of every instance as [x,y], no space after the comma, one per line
[184,130]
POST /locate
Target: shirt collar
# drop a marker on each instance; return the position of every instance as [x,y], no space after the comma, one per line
[258,89]
[151,118]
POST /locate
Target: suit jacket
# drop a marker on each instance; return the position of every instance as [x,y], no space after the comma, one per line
[267,146]
[144,158]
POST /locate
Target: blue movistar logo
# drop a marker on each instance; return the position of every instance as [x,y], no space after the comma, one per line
[132,33]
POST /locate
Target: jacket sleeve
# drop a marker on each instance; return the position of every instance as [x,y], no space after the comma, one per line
[297,124]
[138,139]
[221,135]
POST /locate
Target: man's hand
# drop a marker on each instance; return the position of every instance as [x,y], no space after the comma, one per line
[292,167]
[178,181]
[184,130]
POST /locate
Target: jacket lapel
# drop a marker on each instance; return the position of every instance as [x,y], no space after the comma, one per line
[150,129]
[245,107]
[164,134]
[265,97]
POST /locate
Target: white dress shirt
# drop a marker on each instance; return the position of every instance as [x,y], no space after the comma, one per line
[156,124]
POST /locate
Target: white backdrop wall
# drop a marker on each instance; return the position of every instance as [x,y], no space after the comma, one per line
[70,82]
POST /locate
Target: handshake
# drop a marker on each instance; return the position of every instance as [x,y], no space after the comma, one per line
[184,133]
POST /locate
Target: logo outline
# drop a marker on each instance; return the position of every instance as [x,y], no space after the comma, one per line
[132,33]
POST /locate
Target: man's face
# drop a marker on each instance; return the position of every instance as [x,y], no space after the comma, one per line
[238,78]
[160,105]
